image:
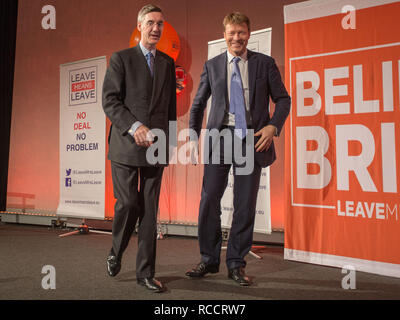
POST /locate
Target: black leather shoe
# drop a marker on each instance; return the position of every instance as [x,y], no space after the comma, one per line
[201,270]
[239,276]
[151,284]
[113,265]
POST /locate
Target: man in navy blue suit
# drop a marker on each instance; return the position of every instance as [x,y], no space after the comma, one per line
[240,82]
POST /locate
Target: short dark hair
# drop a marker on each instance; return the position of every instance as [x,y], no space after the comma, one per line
[236,18]
[147,9]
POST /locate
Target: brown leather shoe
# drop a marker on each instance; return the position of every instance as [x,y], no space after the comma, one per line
[201,270]
[239,276]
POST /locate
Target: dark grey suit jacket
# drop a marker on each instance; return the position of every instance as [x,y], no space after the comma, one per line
[130,94]
[264,83]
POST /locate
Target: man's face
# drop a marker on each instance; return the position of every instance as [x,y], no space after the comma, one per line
[236,37]
[151,28]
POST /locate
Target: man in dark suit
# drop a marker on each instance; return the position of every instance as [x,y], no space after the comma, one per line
[139,94]
[240,82]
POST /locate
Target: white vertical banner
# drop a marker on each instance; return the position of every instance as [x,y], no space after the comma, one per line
[260,41]
[82,139]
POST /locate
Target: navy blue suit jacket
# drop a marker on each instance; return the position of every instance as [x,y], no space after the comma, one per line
[264,83]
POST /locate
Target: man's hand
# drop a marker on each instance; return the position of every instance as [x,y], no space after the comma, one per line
[143,136]
[266,137]
[194,152]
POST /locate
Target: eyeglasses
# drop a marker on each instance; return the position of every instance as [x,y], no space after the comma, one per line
[151,23]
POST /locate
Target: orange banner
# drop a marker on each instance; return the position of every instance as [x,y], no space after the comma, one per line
[342,204]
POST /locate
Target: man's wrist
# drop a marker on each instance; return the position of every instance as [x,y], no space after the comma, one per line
[134,127]
[275,129]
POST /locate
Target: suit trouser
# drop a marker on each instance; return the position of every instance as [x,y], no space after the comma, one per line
[136,201]
[245,192]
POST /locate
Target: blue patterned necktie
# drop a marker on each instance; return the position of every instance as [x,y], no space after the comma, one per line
[236,103]
[150,62]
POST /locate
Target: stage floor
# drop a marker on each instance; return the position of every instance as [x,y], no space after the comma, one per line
[80,267]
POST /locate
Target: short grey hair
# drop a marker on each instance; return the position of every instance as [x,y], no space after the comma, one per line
[147,9]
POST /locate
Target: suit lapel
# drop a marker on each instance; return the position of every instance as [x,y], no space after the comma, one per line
[141,66]
[160,71]
[142,59]
[221,66]
[252,65]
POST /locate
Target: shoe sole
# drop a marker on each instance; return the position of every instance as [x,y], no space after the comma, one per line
[243,284]
[152,290]
[198,275]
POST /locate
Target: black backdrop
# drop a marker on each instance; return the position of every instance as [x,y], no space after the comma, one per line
[8,28]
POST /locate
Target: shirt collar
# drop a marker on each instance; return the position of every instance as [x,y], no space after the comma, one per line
[231,56]
[146,51]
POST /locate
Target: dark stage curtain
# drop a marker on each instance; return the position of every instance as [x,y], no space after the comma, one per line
[8,28]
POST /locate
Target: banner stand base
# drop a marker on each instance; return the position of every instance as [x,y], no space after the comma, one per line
[250,252]
[225,236]
[160,233]
[83,229]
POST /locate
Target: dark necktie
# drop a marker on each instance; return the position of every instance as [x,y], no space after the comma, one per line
[150,62]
